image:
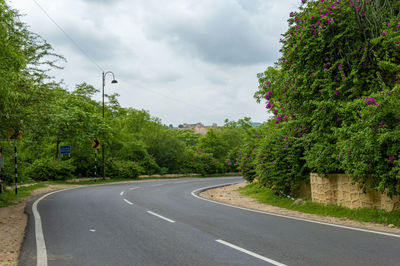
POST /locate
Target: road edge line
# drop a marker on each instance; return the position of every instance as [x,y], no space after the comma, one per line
[41,252]
[199,190]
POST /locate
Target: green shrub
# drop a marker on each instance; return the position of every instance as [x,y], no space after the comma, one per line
[206,164]
[123,169]
[247,160]
[48,169]
[280,163]
[248,157]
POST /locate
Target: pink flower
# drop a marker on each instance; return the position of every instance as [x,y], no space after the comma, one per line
[369,100]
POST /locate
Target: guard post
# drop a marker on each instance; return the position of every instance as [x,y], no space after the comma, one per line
[95,146]
[15,134]
[1,169]
[16,167]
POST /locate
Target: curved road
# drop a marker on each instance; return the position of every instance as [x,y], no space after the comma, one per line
[162,223]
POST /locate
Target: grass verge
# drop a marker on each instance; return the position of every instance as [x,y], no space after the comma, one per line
[8,197]
[265,195]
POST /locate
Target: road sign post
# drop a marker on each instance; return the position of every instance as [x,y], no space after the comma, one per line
[1,169]
[95,145]
[15,134]
[95,164]
[16,167]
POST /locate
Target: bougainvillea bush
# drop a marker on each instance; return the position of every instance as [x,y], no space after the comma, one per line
[280,163]
[248,156]
[338,78]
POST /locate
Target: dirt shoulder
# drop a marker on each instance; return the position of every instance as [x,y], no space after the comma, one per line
[229,195]
[13,220]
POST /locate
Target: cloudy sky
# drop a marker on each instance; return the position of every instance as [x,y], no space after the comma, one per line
[185,61]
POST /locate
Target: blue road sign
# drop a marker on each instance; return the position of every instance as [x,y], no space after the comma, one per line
[65,149]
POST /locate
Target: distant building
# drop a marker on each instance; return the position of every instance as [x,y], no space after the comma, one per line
[197,128]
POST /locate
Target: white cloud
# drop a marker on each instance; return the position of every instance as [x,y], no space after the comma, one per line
[185,61]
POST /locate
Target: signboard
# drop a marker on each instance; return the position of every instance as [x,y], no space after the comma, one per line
[65,149]
[96,144]
[14,133]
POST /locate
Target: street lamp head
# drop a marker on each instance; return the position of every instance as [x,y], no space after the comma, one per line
[114,81]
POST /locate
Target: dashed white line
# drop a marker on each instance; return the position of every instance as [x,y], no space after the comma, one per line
[156,185]
[162,217]
[127,201]
[248,252]
[92,230]
[132,188]
[122,193]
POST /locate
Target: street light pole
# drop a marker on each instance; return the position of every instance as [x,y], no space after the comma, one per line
[104,74]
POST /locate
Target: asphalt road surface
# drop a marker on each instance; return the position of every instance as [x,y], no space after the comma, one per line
[163,223]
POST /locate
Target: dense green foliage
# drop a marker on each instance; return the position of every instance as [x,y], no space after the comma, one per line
[335,95]
[49,116]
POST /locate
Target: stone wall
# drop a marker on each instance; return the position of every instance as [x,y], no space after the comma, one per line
[337,189]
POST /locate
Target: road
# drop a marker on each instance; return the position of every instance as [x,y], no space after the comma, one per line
[162,223]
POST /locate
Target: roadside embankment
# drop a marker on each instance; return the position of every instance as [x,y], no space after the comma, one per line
[230,195]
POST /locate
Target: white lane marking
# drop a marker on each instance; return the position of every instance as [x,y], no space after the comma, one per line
[122,193]
[132,188]
[156,185]
[92,230]
[127,201]
[41,252]
[162,217]
[248,252]
[284,216]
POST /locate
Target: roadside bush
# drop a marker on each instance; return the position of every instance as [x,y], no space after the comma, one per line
[123,169]
[280,163]
[48,169]
[248,157]
[370,146]
[247,160]
[206,164]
